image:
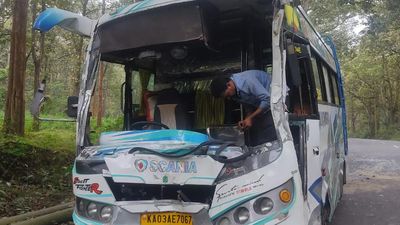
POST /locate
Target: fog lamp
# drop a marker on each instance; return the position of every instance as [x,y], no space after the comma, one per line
[92,210]
[81,206]
[224,221]
[241,215]
[106,213]
[263,205]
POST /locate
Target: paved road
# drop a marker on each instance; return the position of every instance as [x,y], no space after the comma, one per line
[372,193]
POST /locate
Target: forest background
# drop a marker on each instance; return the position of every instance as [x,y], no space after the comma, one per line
[366,32]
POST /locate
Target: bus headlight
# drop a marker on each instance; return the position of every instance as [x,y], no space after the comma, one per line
[251,163]
[106,213]
[97,211]
[81,206]
[241,215]
[263,205]
[273,204]
[92,210]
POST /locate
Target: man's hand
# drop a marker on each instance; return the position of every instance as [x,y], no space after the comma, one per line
[246,123]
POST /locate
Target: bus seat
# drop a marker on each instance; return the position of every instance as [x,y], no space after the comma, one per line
[170,110]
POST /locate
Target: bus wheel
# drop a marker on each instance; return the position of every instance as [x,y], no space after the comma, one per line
[342,180]
[326,211]
[344,173]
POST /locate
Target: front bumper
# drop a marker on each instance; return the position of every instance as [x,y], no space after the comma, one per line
[198,220]
[129,212]
[124,217]
[287,216]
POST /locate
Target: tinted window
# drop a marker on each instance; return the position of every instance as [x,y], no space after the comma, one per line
[322,81]
[335,87]
[328,86]
[317,80]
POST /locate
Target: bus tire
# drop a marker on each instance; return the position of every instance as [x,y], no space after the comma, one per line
[325,213]
[344,173]
[342,181]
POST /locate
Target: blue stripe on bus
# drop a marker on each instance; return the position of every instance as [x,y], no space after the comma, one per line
[313,192]
[81,221]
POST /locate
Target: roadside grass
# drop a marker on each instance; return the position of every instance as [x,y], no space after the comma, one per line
[36,169]
[56,136]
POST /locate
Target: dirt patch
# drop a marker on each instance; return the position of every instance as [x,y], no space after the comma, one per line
[370,184]
[32,178]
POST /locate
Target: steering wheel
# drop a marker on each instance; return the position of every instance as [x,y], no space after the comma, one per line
[141,124]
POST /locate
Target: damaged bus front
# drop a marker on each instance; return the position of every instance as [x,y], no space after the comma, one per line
[180,159]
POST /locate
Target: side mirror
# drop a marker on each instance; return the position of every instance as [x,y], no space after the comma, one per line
[72,107]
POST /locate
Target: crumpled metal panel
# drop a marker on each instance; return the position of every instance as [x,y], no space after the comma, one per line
[152,136]
[88,81]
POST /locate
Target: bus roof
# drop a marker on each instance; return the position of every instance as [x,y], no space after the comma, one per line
[137,7]
[127,32]
[221,5]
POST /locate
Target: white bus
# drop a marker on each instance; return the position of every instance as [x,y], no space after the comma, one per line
[180,159]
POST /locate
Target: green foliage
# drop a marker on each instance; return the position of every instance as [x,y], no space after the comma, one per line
[370,62]
[33,177]
[109,124]
[36,169]
[3,88]
[54,136]
[3,74]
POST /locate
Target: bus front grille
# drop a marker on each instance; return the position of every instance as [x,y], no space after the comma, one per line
[142,192]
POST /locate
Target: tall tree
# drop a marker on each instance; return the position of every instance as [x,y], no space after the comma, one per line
[14,117]
[79,52]
[102,69]
[37,53]
[5,31]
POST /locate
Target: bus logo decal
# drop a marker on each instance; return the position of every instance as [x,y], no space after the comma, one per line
[141,165]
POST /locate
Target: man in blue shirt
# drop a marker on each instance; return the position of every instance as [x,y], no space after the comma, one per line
[252,89]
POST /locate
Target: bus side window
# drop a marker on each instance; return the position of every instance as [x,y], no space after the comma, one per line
[317,81]
[327,82]
[322,81]
[335,87]
[302,100]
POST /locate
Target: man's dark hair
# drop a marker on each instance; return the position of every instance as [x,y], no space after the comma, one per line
[218,86]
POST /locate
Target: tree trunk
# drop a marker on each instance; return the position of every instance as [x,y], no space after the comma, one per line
[377,117]
[14,117]
[353,115]
[78,66]
[372,118]
[79,52]
[37,58]
[100,109]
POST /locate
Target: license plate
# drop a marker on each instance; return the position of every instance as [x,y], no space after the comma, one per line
[170,218]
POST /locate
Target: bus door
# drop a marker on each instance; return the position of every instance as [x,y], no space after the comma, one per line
[303,109]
